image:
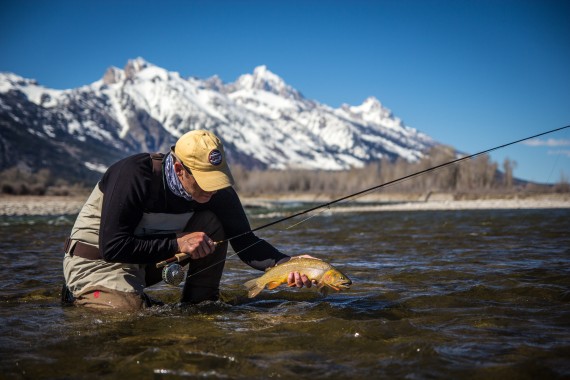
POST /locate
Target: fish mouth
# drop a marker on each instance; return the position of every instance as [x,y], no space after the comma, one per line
[345,284]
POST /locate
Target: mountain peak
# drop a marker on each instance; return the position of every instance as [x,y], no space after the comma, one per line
[214,83]
[372,103]
[135,66]
[265,80]
[262,73]
[113,75]
[372,107]
[132,68]
[11,80]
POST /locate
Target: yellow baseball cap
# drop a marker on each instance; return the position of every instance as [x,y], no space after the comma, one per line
[203,153]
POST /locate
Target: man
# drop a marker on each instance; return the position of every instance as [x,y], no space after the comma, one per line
[147,208]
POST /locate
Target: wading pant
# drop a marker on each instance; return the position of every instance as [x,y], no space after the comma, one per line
[202,281]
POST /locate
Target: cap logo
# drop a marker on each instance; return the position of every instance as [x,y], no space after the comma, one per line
[215,157]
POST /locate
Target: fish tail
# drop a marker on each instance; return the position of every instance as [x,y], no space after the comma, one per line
[253,288]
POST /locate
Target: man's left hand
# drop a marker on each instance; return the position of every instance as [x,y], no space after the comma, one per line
[297,279]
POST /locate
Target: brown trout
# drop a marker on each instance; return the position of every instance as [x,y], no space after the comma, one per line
[326,276]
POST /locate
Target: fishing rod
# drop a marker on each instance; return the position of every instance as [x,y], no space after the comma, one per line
[180,256]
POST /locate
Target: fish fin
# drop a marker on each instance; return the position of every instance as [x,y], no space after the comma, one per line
[253,288]
[273,284]
[322,288]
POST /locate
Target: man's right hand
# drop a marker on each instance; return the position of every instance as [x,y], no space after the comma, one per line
[195,244]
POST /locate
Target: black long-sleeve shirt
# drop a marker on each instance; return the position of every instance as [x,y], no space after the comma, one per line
[127,187]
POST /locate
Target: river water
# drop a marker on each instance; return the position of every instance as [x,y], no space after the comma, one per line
[436,294]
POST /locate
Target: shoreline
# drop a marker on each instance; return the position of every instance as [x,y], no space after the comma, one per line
[69,205]
[31,205]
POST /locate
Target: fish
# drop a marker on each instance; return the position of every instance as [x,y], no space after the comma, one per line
[326,276]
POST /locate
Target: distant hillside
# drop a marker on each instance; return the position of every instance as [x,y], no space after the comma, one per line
[264,123]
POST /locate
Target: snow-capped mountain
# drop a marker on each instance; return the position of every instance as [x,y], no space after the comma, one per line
[262,120]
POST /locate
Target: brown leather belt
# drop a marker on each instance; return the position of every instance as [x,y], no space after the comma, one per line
[83,250]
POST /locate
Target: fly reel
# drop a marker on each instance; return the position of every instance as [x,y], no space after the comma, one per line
[173,274]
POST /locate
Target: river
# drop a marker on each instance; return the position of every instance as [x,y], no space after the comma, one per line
[473,294]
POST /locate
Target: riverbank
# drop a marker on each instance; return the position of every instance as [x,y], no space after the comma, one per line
[68,205]
[25,205]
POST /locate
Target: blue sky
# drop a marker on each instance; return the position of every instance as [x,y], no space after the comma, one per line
[471,74]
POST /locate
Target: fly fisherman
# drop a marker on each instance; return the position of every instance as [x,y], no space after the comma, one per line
[149,207]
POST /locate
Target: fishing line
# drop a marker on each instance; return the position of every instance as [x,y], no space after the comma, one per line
[361,193]
[307,218]
[370,189]
[553,167]
[173,274]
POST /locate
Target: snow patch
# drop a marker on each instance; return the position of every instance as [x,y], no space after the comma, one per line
[95,167]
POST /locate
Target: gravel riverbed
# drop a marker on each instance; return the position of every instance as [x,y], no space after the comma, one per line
[53,205]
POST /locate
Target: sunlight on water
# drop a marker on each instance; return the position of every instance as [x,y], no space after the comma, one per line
[473,294]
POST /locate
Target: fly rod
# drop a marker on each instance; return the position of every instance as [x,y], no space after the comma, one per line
[180,256]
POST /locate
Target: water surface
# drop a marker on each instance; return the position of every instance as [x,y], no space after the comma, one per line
[439,294]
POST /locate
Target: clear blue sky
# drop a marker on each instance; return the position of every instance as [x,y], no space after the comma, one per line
[471,74]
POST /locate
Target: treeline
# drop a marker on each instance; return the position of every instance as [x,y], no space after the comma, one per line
[479,175]
[16,181]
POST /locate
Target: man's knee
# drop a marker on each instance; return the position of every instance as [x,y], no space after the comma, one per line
[110,299]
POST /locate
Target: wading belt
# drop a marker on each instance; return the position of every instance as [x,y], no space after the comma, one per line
[83,250]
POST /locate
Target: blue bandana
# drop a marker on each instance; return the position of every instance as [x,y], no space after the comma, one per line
[172,179]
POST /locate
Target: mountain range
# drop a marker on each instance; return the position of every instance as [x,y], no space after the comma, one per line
[264,123]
